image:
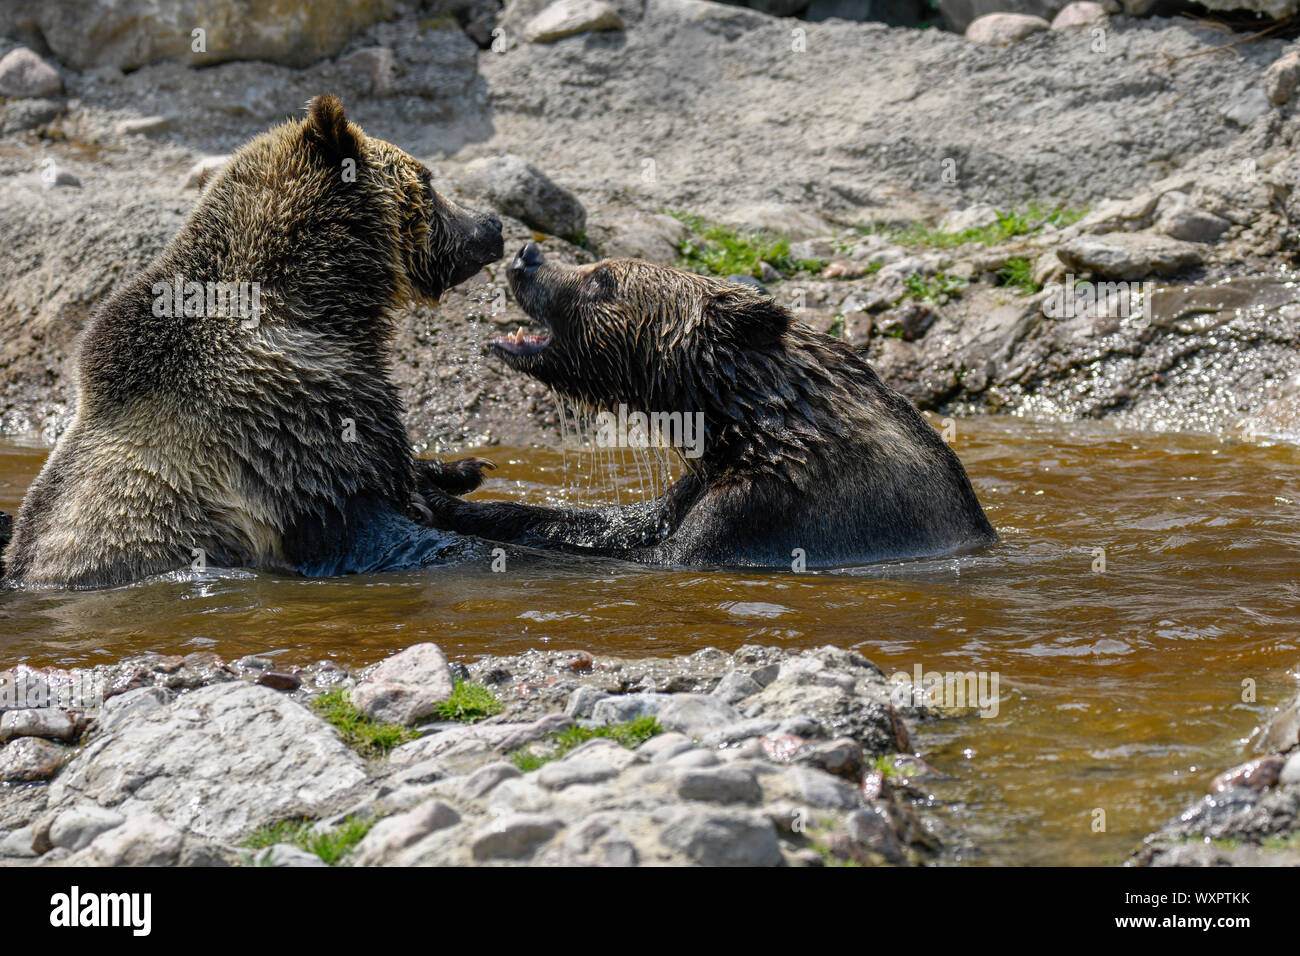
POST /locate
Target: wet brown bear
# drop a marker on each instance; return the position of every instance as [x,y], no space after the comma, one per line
[234,403]
[805,452]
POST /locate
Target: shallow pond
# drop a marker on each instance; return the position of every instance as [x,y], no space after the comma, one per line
[1120,690]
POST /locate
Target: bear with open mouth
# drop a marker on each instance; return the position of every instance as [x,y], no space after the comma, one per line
[805,454]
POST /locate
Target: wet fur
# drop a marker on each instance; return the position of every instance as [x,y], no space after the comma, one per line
[805,447]
[199,433]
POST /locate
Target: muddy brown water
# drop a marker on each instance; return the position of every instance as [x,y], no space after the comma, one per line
[1120,691]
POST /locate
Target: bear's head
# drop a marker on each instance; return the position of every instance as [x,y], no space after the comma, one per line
[627,331]
[345,220]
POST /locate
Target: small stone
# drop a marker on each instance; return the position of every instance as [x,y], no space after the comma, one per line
[581,662]
[762,676]
[487,778]
[620,708]
[1258,774]
[583,700]
[519,189]
[23,74]
[719,785]
[1130,256]
[1081,13]
[723,838]
[19,843]
[405,687]
[23,115]
[873,830]
[46,722]
[397,832]
[514,837]
[144,126]
[842,757]
[78,827]
[695,714]
[767,272]
[134,703]
[735,686]
[1291,770]
[280,680]
[565,773]
[144,840]
[568,17]
[28,759]
[1003,29]
[1246,107]
[1282,77]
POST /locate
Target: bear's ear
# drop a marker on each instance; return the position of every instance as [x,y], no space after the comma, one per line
[745,317]
[328,131]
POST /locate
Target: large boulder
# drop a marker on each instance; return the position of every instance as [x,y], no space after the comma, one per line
[519,189]
[93,33]
[218,761]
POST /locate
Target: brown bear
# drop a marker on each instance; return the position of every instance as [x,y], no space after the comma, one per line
[801,457]
[234,402]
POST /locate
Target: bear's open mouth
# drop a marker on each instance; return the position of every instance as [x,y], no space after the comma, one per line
[522,342]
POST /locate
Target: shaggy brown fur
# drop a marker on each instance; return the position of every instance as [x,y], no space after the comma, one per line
[267,441]
[804,447]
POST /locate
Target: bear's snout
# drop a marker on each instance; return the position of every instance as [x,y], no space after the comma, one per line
[529,257]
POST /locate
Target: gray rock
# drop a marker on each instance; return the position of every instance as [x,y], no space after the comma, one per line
[405,687]
[1291,770]
[219,761]
[519,189]
[144,126]
[600,842]
[394,834]
[514,837]
[134,703]
[485,779]
[1129,256]
[1081,13]
[46,722]
[735,686]
[92,33]
[873,830]
[1003,29]
[143,840]
[695,714]
[620,708]
[582,700]
[79,826]
[565,773]
[723,838]
[23,115]
[1247,106]
[654,238]
[23,74]
[28,759]
[19,843]
[1282,77]
[719,785]
[565,18]
[286,855]
[371,70]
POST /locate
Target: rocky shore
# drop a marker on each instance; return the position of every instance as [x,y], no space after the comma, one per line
[762,757]
[1249,816]
[934,209]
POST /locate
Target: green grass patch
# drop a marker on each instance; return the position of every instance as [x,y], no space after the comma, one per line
[469,702]
[933,288]
[1018,274]
[367,737]
[331,846]
[713,249]
[1027,221]
[631,735]
[885,764]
